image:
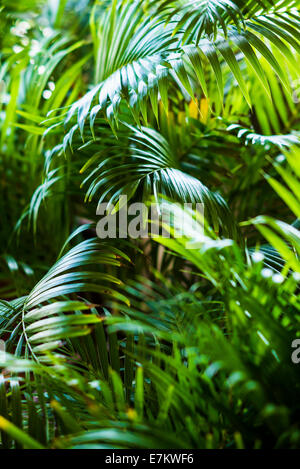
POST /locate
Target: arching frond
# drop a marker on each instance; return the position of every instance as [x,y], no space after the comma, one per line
[150,77]
[250,137]
[196,18]
[42,192]
[121,35]
[284,239]
[152,168]
[46,317]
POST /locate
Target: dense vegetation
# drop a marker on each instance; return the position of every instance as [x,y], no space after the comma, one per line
[146,343]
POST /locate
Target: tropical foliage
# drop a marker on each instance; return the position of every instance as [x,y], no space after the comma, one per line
[165,342]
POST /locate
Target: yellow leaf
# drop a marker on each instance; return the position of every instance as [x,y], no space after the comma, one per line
[204,110]
[193,109]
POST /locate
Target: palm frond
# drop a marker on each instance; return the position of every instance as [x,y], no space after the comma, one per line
[197,18]
[250,137]
[150,76]
[152,168]
[40,324]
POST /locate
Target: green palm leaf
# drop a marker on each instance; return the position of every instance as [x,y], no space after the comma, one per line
[152,168]
[39,319]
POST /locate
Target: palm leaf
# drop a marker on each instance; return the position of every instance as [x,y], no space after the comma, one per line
[39,319]
[153,169]
[149,75]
